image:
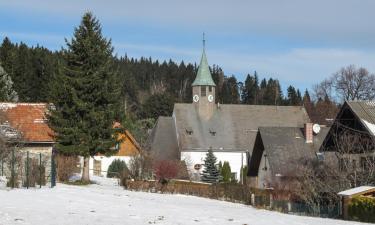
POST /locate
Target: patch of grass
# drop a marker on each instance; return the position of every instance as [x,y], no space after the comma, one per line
[79,182]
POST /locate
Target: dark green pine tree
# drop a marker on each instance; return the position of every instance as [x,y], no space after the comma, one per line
[250,90]
[85,95]
[210,172]
[226,172]
[309,106]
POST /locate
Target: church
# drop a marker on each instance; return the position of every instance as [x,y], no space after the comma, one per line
[229,130]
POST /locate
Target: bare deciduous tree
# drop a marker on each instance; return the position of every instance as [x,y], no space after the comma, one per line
[349,83]
[140,166]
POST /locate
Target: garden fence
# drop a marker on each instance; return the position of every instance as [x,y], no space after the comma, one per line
[27,169]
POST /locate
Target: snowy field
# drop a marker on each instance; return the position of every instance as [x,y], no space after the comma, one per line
[106,203]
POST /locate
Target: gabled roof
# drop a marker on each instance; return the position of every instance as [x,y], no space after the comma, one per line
[365,111]
[231,127]
[204,75]
[357,191]
[163,140]
[286,148]
[29,119]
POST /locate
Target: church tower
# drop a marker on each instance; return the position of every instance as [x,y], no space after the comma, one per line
[204,88]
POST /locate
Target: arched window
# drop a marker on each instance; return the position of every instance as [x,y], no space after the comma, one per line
[203,90]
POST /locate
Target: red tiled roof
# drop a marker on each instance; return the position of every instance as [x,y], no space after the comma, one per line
[29,119]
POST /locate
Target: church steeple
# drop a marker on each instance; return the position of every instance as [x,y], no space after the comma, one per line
[204,88]
[204,75]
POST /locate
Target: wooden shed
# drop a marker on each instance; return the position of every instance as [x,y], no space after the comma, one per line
[348,195]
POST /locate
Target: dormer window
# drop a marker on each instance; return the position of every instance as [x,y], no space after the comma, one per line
[203,91]
[212,132]
[189,131]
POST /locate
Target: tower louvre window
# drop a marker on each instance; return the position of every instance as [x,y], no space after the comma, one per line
[210,89]
[203,91]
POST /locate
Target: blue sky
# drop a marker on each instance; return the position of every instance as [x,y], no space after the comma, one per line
[296,41]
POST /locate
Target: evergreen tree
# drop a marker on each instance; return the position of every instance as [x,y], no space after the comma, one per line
[226,172]
[7,93]
[210,172]
[251,89]
[293,96]
[7,55]
[85,95]
[229,93]
[273,93]
[157,105]
[309,106]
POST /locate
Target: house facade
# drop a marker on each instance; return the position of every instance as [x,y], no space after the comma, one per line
[352,139]
[229,130]
[280,153]
[127,148]
[24,126]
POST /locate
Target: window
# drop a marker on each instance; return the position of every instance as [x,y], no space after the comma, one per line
[210,89]
[203,91]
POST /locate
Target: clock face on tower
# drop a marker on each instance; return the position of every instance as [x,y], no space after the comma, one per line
[210,98]
[195,98]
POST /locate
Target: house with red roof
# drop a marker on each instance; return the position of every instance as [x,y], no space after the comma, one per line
[28,123]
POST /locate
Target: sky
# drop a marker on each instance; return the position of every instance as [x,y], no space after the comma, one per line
[298,42]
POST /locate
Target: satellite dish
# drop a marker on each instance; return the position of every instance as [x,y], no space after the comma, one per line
[316,128]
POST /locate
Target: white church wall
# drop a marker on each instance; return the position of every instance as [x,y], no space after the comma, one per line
[234,159]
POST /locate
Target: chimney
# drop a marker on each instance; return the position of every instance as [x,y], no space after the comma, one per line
[309,132]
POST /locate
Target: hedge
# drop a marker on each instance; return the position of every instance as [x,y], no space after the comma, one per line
[362,209]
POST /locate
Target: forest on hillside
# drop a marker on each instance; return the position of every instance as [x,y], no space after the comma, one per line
[149,88]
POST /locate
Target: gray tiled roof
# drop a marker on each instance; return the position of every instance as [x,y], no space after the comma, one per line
[164,141]
[286,147]
[365,111]
[235,126]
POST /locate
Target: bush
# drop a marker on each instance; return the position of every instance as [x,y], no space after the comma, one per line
[117,169]
[66,167]
[165,170]
[362,209]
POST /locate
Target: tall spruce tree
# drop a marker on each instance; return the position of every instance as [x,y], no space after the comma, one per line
[85,95]
[210,172]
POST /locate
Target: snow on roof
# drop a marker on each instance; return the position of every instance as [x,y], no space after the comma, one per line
[370,126]
[356,190]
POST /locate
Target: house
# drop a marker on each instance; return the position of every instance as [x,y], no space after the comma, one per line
[348,195]
[351,137]
[25,126]
[228,130]
[280,153]
[29,122]
[127,148]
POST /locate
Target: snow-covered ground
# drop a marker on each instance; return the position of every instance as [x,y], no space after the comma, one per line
[107,203]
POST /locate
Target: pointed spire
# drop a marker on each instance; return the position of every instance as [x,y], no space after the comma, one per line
[204,75]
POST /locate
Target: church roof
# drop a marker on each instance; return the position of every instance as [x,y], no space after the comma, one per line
[163,140]
[204,75]
[232,127]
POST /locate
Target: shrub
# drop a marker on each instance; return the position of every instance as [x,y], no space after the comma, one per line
[66,167]
[117,168]
[362,209]
[165,170]
[226,172]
